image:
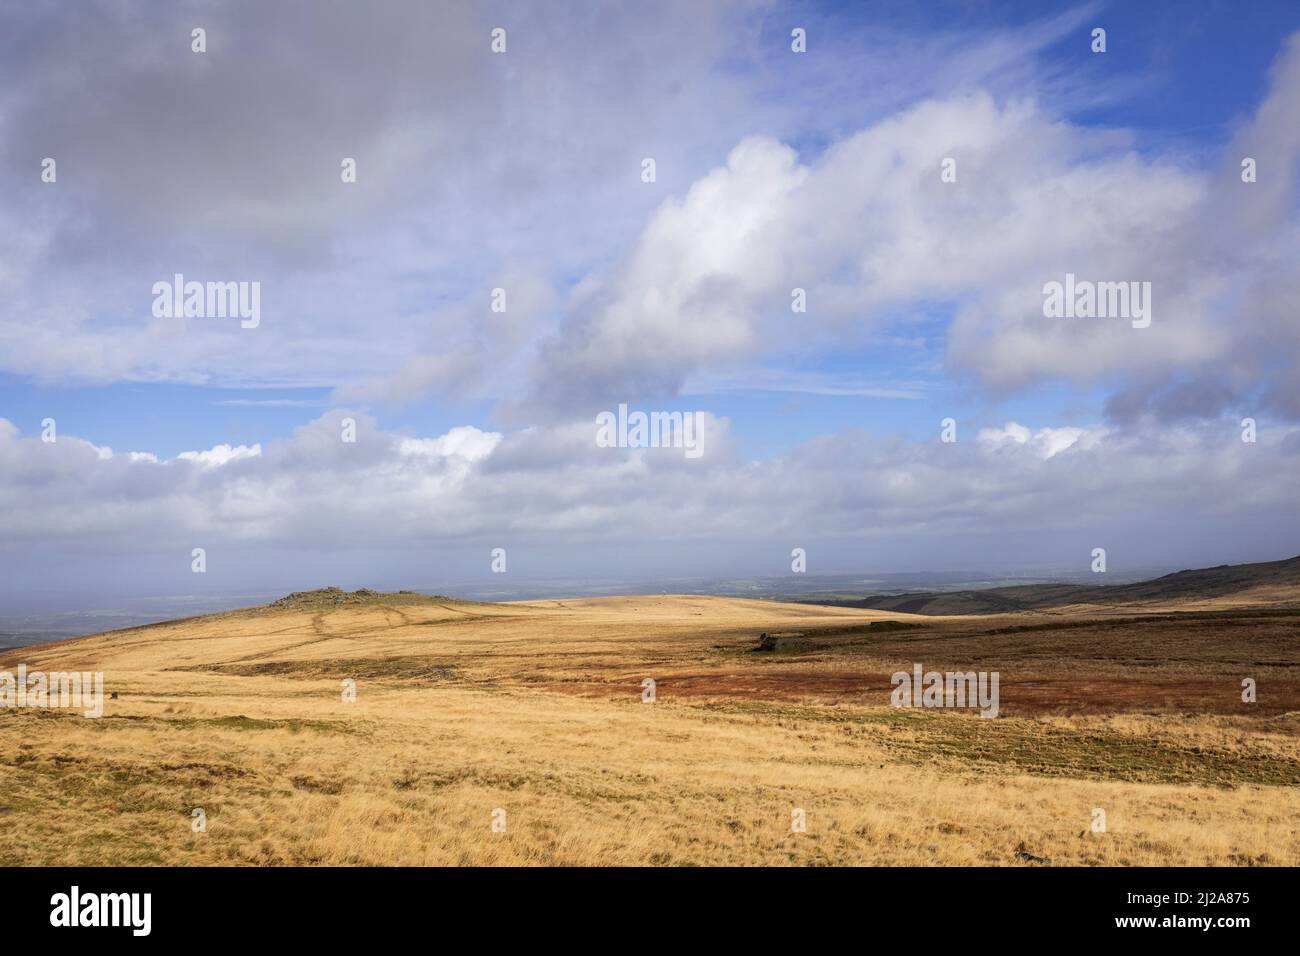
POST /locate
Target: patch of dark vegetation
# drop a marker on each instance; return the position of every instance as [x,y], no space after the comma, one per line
[407,780]
[1030,748]
[763,710]
[1219,618]
[806,640]
[1026,746]
[1024,854]
[293,725]
[316,785]
[893,625]
[789,643]
[415,669]
[214,771]
[235,722]
[333,597]
[86,775]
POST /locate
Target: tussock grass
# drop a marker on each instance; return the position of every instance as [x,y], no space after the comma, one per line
[535,708]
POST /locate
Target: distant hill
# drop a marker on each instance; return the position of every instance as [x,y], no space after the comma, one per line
[332,597]
[1267,584]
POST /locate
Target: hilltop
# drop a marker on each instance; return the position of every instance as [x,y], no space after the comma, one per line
[330,597]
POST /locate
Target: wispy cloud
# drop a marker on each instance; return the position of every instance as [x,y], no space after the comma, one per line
[802,383]
[272,402]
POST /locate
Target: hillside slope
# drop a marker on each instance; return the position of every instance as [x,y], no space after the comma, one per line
[1270,584]
[359,728]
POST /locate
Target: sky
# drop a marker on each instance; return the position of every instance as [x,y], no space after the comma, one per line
[524,170]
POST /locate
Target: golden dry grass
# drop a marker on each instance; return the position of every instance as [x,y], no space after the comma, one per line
[535,709]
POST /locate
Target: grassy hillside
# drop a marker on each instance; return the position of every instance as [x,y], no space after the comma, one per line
[1274,584]
[536,709]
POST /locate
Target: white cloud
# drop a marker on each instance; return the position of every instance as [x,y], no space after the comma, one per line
[464,441]
[219,455]
[622,290]
[554,485]
[1047,442]
[872,234]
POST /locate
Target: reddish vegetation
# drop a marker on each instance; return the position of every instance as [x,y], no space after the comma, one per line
[1163,664]
[1018,698]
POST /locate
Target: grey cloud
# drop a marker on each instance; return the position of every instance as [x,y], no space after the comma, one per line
[1120,490]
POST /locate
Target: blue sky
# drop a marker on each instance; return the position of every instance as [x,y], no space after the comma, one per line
[521,171]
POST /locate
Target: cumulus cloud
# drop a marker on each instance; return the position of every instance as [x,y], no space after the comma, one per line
[869,231]
[220,455]
[465,442]
[618,290]
[226,166]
